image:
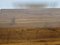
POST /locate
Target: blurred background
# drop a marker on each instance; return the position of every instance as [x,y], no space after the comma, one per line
[40,17]
[19,4]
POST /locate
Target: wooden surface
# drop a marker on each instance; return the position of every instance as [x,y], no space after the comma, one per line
[31,27]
